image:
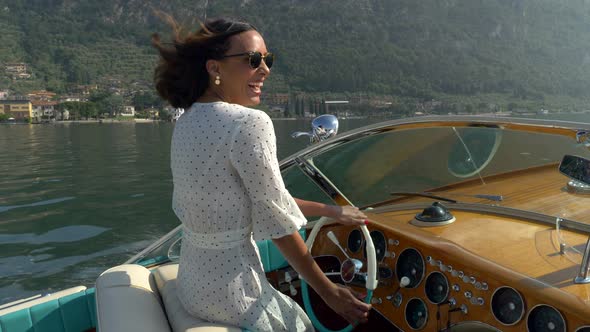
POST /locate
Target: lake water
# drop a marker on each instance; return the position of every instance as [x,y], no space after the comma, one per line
[78,198]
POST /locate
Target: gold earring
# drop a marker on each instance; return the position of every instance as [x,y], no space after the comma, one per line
[217,80]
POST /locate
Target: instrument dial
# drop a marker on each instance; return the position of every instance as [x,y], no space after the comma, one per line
[416,314]
[437,287]
[507,305]
[544,318]
[355,241]
[410,264]
[380,244]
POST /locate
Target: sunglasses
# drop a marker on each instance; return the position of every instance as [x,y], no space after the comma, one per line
[255,58]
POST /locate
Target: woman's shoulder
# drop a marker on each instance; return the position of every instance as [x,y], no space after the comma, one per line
[251,115]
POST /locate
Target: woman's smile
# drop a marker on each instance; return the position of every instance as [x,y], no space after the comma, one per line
[256,87]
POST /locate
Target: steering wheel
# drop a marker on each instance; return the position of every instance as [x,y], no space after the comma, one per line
[370,284]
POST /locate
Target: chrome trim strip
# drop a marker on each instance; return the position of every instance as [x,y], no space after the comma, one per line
[154,245]
[521,300]
[493,209]
[582,327]
[565,128]
[315,175]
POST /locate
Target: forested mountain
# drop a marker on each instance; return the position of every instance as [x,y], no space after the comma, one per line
[527,49]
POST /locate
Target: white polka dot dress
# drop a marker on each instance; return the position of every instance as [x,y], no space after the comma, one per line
[228,192]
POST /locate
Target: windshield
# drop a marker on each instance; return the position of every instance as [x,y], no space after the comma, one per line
[460,163]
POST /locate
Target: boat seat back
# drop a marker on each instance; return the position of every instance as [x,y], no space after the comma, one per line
[127,299]
[179,318]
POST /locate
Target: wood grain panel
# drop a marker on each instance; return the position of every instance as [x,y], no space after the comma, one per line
[497,250]
[540,189]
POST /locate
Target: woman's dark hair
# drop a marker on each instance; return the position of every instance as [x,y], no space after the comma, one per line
[181,76]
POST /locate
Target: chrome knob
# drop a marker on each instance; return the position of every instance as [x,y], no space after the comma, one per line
[468,294]
[393,242]
[460,274]
[456,287]
[452,302]
[478,285]
[466,279]
[464,309]
[472,280]
[484,286]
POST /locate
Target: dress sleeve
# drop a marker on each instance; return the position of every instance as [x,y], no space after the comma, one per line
[253,154]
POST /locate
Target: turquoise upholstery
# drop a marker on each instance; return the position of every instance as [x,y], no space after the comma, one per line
[75,312]
[271,257]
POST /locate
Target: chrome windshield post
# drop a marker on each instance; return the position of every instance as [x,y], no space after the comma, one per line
[582,277]
[583,137]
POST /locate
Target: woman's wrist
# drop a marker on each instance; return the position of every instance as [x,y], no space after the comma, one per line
[327,289]
[333,211]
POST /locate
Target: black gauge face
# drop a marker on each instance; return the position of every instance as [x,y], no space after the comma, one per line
[544,318]
[416,314]
[385,272]
[507,306]
[380,244]
[437,287]
[410,264]
[355,241]
[583,329]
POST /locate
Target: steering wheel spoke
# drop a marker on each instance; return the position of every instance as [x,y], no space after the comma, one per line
[353,269]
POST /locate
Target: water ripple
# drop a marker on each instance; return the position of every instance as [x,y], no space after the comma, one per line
[60,235]
[45,202]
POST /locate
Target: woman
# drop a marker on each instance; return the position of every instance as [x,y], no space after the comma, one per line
[228,191]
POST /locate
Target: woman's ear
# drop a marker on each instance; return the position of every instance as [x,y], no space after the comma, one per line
[212,67]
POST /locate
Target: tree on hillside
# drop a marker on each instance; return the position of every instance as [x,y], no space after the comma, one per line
[107,102]
[146,100]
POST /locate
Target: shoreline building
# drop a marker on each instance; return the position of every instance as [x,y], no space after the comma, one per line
[21,110]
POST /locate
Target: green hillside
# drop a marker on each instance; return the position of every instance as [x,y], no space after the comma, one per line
[530,50]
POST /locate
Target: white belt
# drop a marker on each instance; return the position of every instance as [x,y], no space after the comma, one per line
[221,240]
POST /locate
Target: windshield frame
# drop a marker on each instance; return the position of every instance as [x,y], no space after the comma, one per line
[579,132]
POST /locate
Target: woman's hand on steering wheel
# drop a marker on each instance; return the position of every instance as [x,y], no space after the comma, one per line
[347,303]
[349,215]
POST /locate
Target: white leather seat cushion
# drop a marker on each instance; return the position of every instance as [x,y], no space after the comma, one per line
[127,299]
[179,318]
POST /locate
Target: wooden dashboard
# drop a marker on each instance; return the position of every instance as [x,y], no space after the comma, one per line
[479,255]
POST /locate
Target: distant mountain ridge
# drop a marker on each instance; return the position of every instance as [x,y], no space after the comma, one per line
[526,48]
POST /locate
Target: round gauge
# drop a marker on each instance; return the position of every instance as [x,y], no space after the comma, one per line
[416,314]
[507,305]
[437,287]
[380,244]
[473,150]
[545,318]
[583,329]
[411,265]
[355,241]
[385,272]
